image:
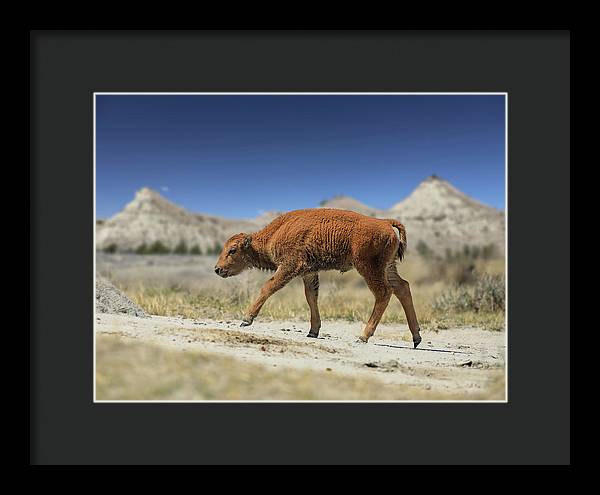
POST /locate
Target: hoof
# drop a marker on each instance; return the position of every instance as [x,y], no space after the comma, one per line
[312,335]
[246,322]
[362,339]
[416,342]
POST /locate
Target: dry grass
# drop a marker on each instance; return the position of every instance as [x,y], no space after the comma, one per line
[342,296]
[132,370]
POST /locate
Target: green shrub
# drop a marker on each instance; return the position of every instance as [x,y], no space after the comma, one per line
[423,249]
[181,248]
[488,251]
[216,249]
[195,249]
[464,272]
[157,247]
[111,248]
[142,249]
[486,295]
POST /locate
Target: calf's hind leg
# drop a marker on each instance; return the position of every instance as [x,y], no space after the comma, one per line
[311,291]
[401,290]
[382,291]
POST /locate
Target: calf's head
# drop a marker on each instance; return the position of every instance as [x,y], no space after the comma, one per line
[233,259]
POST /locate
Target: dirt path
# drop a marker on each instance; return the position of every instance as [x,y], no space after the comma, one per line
[468,361]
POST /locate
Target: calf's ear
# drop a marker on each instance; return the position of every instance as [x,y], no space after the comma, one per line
[247,240]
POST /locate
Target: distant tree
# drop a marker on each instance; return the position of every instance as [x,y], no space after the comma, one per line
[475,251]
[466,251]
[181,248]
[158,247]
[423,249]
[488,251]
[142,249]
[195,249]
[111,248]
[449,255]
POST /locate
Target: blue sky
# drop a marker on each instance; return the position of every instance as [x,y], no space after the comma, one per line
[239,155]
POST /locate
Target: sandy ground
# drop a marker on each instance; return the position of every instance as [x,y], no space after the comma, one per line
[467,361]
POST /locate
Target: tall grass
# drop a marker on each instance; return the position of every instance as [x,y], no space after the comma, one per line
[445,294]
[486,294]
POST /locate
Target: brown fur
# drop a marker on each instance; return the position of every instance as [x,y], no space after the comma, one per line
[304,242]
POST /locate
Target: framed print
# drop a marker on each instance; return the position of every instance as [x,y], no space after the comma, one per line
[294,247]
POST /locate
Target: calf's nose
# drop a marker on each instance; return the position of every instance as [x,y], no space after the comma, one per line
[217,270]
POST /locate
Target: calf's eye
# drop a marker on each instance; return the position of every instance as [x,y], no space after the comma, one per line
[231,251]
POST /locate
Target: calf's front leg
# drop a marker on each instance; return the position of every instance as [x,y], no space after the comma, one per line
[282,276]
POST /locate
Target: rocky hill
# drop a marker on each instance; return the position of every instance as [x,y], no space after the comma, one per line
[348,203]
[438,218]
[150,218]
[443,217]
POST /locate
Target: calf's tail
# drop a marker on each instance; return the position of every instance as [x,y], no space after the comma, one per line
[401,237]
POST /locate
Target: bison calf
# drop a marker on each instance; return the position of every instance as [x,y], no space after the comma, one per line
[303,242]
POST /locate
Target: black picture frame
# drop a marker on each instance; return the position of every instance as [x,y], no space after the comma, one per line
[67,67]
